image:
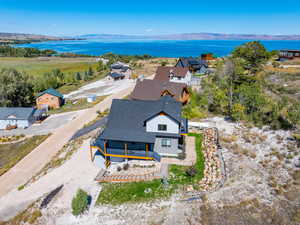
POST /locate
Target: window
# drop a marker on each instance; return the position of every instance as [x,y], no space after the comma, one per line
[165,142]
[162,127]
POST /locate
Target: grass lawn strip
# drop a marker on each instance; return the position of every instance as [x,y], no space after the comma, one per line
[11,154]
[118,193]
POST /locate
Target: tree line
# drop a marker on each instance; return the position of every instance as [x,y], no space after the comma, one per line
[238,90]
[8,51]
[18,89]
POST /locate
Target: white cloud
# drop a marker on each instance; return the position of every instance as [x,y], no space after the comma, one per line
[149,30]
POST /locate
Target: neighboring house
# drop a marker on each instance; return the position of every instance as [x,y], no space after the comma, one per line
[49,98]
[289,54]
[195,65]
[119,71]
[142,130]
[207,56]
[173,74]
[19,117]
[155,89]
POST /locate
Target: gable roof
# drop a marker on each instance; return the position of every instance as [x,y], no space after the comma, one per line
[163,72]
[119,65]
[153,89]
[193,62]
[126,120]
[116,75]
[51,91]
[16,113]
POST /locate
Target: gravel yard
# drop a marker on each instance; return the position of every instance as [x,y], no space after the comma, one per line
[100,88]
[262,187]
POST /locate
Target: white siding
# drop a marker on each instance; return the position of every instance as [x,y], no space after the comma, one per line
[172,126]
[186,79]
[19,123]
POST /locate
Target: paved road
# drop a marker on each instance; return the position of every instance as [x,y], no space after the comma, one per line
[41,155]
[86,130]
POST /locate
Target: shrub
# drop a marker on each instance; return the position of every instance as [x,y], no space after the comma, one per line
[79,202]
[192,171]
[21,187]
[126,166]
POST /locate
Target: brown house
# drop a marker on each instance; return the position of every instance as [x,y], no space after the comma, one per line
[49,99]
[155,89]
[207,56]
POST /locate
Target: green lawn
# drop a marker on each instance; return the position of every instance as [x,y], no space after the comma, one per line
[116,194]
[37,66]
[11,154]
[179,172]
[144,191]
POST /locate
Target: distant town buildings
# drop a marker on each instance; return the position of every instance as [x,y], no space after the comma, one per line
[119,71]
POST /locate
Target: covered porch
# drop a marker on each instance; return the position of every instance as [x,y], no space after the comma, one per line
[119,151]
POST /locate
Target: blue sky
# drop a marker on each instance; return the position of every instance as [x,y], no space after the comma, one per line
[65,17]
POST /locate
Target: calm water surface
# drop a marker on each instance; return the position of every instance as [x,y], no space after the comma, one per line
[154,47]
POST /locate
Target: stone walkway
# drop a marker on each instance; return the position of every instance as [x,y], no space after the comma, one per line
[190,153]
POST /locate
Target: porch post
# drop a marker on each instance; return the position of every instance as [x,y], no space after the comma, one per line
[147,149]
[91,153]
[126,148]
[105,149]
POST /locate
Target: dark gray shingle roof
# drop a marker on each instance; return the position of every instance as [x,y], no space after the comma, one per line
[126,121]
[116,75]
[16,113]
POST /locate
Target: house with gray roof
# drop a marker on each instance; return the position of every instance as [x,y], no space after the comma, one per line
[19,117]
[138,129]
[119,71]
[195,65]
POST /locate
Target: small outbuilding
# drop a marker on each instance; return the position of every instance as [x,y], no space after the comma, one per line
[49,99]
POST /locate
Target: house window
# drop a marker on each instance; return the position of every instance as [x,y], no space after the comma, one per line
[162,127]
[165,142]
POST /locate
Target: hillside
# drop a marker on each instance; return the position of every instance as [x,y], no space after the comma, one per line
[194,36]
[27,38]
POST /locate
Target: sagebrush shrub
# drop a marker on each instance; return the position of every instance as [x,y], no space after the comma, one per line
[79,202]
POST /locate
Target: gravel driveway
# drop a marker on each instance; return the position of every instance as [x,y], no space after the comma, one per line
[100,88]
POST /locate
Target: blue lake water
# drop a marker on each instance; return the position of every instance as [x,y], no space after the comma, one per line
[166,48]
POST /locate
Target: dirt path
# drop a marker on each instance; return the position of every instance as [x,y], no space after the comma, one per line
[35,161]
[78,172]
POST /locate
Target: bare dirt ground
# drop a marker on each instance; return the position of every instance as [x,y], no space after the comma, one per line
[100,88]
[262,188]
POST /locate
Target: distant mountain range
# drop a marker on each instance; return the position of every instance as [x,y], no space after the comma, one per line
[193,36]
[27,38]
[185,36]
